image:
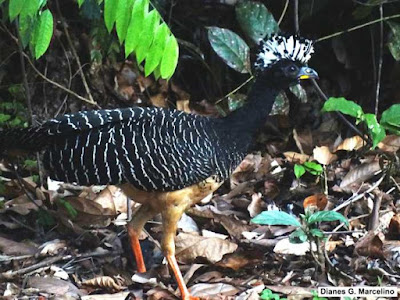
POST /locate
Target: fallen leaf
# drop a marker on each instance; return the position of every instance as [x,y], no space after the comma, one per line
[53,286]
[236,261]
[323,155]
[187,224]
[351,144]
[391,144]
[233,226]
[183,105]
[317,200]
[212,290]
[394,228]
[189,247]
[107,282]
[116,296]
[370,245]
[255,206]
[284,246]
[360,174]
[296,158]
[10,247]
[52,247]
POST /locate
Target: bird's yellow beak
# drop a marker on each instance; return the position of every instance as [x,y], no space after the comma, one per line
[307,73]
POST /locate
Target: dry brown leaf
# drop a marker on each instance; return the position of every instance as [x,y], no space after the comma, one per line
[323,155]
[159,100]
[303,140]
[233,226]
[112,200]
[10,247]
[189,247]
[360,174]
[296,158]
[331,245]
[212,290]
[255,206]
[351,144]
[116,296]
[53,286]
[160,294]
[317,200]
[52,247]
[391,144]
[237,261]
[106,282]
[370,245]
[294,292]
[22,205]
[394,228]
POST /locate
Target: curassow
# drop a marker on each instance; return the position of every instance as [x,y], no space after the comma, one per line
[165,159]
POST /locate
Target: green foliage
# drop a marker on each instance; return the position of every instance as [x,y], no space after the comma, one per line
[390,119]
[275,217]
[307,230]
[30,164]
[141,28]
[326,216]
[347,107]
[394,40]
[344,106]
[256,21]
[267,294]
[231,48]
[316,297]
[12,114]
[42,33]
[310,167]
[72,212]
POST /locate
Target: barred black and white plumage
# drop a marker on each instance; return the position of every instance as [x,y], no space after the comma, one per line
[151,148]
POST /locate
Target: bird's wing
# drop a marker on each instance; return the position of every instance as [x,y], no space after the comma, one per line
[153,149]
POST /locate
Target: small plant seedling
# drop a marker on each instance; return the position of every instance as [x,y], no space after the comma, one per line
[267,294]
[310,167]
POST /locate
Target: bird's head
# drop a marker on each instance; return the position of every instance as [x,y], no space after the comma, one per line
[282,60]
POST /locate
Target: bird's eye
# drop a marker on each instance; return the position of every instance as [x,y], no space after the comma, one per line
[292,69]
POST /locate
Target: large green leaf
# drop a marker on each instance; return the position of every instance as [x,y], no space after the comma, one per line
[326,216]
[344,106]
[394,41]
[42,33]
[15,7]
[150,23]
[30,8]
[110,13]
[170,58]
[124,11]
[376,131]
[139,10]
[298,236]
[26,27]
[231,48]
[391,119]
[153,58]
[80,2]
[255,20]
[275,217]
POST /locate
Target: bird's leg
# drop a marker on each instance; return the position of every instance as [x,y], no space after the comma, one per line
[135,227]
[171,215]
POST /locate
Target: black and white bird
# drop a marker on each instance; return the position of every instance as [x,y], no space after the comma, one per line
[163,158]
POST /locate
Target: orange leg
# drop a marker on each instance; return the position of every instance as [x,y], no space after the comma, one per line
[171,216]
[135,227]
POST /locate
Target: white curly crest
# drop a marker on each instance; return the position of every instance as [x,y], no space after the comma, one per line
[279,47]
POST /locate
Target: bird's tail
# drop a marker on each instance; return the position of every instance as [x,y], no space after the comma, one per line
[22,140]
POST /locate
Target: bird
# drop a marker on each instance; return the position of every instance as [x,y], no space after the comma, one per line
[165,159]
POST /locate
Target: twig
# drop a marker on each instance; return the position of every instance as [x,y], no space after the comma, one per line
[356,28]
[59,85]
[86,86]
[296,16]
[47,262]
[374,218]
[341,116]
[283,12]
[360,196]
[378,81]
[24,76]
[236,89]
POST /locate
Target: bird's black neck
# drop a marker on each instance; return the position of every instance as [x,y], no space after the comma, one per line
[253,114]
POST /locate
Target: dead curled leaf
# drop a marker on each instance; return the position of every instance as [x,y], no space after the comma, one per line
[323,155]
[360,174]
[318,200]
[351,144]
[295,157]
[208,290]
[189,247]
[236,261]
[106,282]
[370,245]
